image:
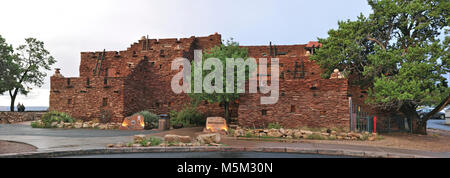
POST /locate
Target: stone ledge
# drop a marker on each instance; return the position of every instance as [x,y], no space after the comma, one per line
[334,152]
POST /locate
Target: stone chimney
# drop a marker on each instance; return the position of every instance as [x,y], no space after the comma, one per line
[57,73]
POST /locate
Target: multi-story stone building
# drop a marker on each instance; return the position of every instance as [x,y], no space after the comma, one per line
[120,83]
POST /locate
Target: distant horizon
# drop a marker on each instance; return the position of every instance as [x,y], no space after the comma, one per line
[27,108]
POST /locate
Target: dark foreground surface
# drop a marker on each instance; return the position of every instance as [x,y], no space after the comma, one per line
[209,155]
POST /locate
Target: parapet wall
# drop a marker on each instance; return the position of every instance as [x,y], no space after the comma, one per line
[15,117]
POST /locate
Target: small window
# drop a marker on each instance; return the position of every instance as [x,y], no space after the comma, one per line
[264,112]
[105,102]
[68,81]
[88,82]
[293,108]
[105,81]
[69,101]
[156,104]
[160,66]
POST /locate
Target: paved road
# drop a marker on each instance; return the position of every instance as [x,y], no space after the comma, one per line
[438,124]
[62,139]
[210,155]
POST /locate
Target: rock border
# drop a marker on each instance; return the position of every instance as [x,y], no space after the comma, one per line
[334,152]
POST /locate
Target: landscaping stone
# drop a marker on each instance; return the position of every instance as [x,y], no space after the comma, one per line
[274,133]
[208,138]
[139,138]
[171,138]
[185,139]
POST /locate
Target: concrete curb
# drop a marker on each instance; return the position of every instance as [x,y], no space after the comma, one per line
[334,152]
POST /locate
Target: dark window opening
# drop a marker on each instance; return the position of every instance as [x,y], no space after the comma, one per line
[293,109]
[282,75]
[160,66]
[105,81]
[301,72]
[88,82]
[105,102]
[156,104]
[68,81]
[264,112]
[69,101]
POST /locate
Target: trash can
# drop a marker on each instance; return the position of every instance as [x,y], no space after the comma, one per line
[164,122]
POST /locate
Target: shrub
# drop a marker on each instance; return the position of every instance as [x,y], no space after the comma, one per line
[150,119]
[187,117]
[154,141]
[54,116]
[36,124]
[274,125]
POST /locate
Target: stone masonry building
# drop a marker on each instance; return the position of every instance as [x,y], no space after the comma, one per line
[121,83]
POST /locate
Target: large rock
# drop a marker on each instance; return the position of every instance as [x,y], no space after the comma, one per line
[172,138]
[139,138]
[185,139]
[297,134]
[274,133]
[78,125]
[209,138]
[86,125]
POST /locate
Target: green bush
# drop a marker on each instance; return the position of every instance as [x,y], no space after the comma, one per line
[35,124]
[150,119]
[274,126]
[188,117]
[54,116]
[154,141]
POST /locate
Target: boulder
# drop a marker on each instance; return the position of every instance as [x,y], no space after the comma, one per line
[139,138]
[297,134]
[208,138]
[102,126]
[78,125]
[371,138]
[274,133]
[86,125]
[95,125]
[185,139]
[67,125]
[54,124]
[171,138]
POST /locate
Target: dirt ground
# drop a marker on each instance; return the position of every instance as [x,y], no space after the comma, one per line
[15,147]
[435,141]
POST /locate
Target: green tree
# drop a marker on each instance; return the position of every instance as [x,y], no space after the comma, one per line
[396,53]
[7,65]
[229,50]
[31,58]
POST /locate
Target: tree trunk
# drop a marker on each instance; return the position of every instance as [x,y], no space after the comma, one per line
[227,113]
[13,99]
[419,125]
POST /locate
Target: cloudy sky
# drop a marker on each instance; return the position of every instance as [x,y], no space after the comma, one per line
[69,27]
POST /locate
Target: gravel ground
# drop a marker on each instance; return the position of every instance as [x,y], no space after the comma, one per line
[15,147]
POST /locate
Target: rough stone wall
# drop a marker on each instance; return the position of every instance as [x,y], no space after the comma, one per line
[138,79]
[304,100]
[15,117]
[87,102]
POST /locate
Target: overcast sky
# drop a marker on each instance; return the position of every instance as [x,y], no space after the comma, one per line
[69,27]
